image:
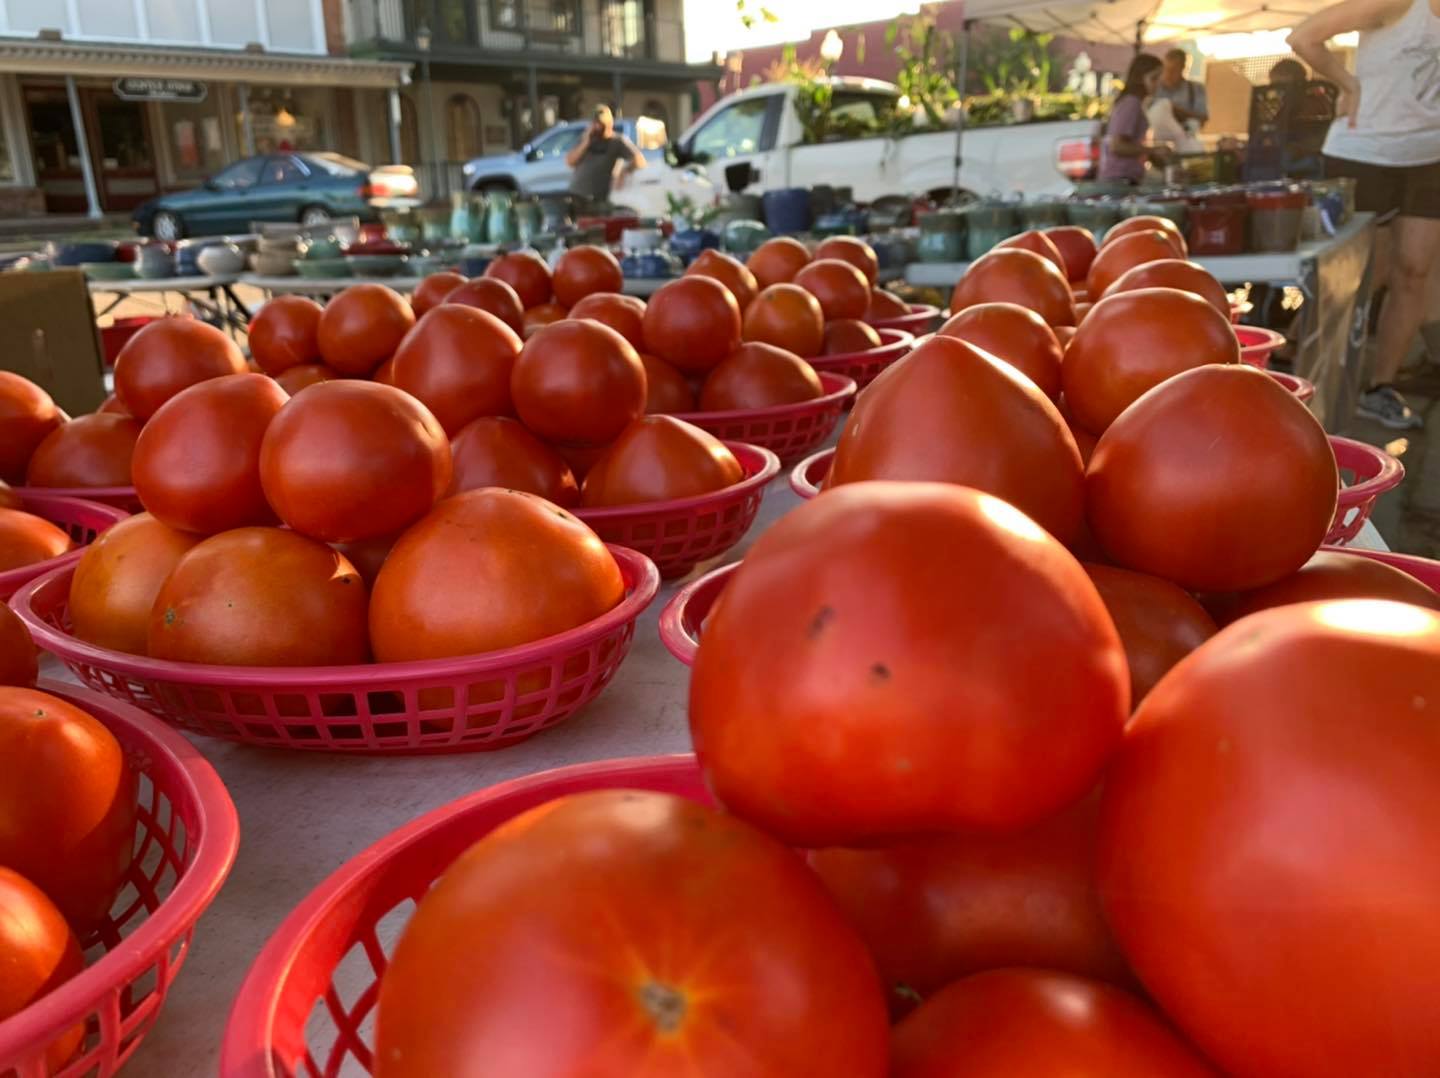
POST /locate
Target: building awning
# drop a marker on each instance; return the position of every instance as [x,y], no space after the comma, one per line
[1129,22]
[43,57]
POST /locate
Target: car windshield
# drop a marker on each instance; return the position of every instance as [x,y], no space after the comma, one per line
[337,164]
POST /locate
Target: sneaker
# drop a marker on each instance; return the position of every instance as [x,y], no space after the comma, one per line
[1386,406]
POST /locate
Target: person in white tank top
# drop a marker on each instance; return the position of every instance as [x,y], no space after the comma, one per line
[1387,137]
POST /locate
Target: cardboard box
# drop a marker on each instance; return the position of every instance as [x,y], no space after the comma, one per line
[48,334]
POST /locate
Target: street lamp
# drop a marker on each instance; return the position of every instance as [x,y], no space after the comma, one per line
[423,40]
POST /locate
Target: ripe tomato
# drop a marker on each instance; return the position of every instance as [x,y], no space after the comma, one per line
[962,667]
[730,272]
[168,356]
[1133,341]
[1268,836]
[1039,243]
[841,289]
[284,333]
[845,336]
[653,994]
[659,459]
[92,451]
[457,362]
[1158,623]
[1015,334]
[117,579]
[884,306]
[759,376]
[855,251]
[1077,248]
[111,406]
[26,539]
[27,415]
[295,379]
[19,661]
[1218,480]
[788,317]
[580,458]
[537,318]
[498,452]
[935,909]
[1013,276]
[527,273]
[578,381]
[666,389]
[1127,252]
[1065,334]
[352,460]
[38,953]
[367,555]
[777,260]
[692,323]
[9,499]
[584,270]
[385,373]
[531,571]
[1330,575]
[1149,223]
[493,296]
[362,326]
[952,413]
[434,290]
[1012,1022]
[624,314]
[261,597]
[1175,273]
[67,804]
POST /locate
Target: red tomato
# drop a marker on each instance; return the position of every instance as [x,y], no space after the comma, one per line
[885,306]
[935,909]
[1012,1022]
[692,323]
[38,953]
[624,314]
[9,498]
[666,389]
[367,555]
[117,579]
[1175,273]
[537,318]
[435,290]
[67,804]
[19,661]
[1077,247]
[777,260]
[493,296]
[952,413]
[1039,243]
[846,336]
[759,376]
[1084,440]
[111,406]
[1016,335]
[350,460]
[1013,276]
[1218,480]
[531,570]
[1329,575]
[653,994]
[730,272]
[578,381]
[385,373]
[788,317]
[92,451]
[27,415]
[1118,256]
[583,271]
[498,452]
[261,597]
[959,662]
[1149,223]
[1064,334]
[527,273]
[841,289]
[197,464]
[362,326]
[1158,623]
[457,362]
[1267,843]
[295,379]
[284,333]
[1133,341]
[168,356]
[659,459]
[26,539]
[580,458]
[855,251]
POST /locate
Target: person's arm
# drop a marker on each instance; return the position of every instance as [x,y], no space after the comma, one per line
[1309,38]
[578,150]
[637,159]
[1200,104]
[1123,144]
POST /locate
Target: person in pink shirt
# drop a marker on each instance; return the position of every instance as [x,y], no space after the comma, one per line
[1123,152]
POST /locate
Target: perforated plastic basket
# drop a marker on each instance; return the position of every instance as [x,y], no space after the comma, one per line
[1371,472]
[866,366]
[787,430]
[1257,344]
[120,497]
[186,835]
[685,613]
[81,518]
[463,704]
[806,477]
[921,319]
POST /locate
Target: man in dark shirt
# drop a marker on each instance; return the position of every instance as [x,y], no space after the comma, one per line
[594,158]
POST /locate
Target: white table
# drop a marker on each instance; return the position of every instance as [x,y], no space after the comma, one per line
[212,295]
[322,287]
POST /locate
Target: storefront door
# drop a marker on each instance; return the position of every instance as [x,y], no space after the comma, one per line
[120,149]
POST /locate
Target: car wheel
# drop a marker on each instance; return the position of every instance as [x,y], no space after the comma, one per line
[167,226]
[313,216]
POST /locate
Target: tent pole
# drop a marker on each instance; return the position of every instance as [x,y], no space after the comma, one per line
[963,65]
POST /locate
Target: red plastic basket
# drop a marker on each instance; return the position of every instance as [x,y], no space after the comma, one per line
[462,704]
[1422,569]
[307,1005]
[678,535]
[922,317]
[1372,472]
[806,477]
[787,430]
[1257,344]
[1237,312]
[120,497]
[83,519]
[687,609]
[1303,388]
[186,835]
[865,366]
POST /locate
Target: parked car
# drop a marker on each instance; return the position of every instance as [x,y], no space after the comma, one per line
[310,188]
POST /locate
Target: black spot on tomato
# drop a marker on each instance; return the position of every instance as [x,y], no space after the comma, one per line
[880,672]
[818,623]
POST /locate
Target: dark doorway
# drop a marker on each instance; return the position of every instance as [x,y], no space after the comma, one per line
[120,149]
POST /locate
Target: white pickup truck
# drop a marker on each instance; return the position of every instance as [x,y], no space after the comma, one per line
[760,126]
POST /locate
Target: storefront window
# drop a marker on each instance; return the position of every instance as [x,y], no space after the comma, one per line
[7,159]
[173,20]
[233,22]
[291,28]
[289,118]
[197,145]
[106,18]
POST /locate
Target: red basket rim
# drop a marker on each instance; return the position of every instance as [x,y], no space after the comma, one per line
[678,639]
[1254,339]
[760,464]
[217,840]
[245,1051]
[642,580]
[76,493]
[1424,570]
[39,503]
[918,312]
[1301,387]
[1349,452]
[800,481]
[837,388]
[892,341]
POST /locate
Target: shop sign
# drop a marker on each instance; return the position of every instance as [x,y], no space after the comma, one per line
[138,89]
